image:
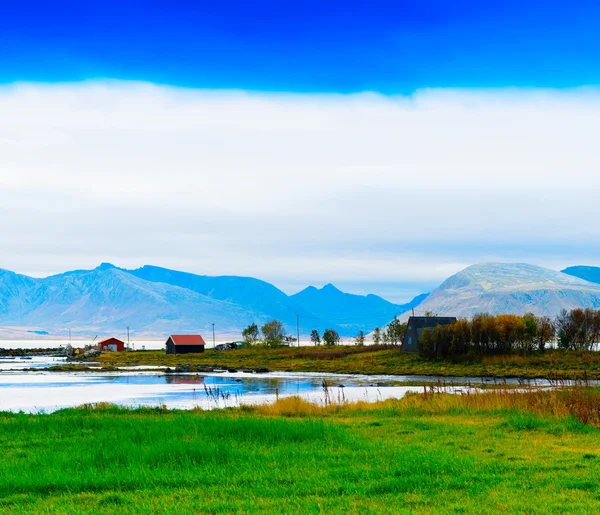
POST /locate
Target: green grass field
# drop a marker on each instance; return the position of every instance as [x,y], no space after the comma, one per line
[425,454]
[369,360]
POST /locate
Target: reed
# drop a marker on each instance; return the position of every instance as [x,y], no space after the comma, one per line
[579,402]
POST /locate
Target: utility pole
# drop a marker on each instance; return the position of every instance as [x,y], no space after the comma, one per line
[298,328]
[213,325]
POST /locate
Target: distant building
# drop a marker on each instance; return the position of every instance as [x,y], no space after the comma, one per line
[112,345]
[185,343]
[230,346]
[415,327]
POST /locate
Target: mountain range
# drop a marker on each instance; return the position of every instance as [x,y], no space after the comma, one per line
[156,301]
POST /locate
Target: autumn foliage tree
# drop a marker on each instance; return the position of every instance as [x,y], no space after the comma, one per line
[578,329]
[506,334]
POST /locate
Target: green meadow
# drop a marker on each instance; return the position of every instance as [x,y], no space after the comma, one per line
[501,451]
[558,364]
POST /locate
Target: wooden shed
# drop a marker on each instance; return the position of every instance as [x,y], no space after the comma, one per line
[185,343]
[112,345]
[415,327]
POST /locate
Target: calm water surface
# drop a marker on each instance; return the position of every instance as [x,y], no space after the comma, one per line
[48,391]
[39,390]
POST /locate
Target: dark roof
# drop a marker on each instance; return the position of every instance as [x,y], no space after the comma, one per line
[423,322]
[187,339]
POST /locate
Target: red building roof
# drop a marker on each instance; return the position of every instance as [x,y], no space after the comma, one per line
[111,340]
[187,339]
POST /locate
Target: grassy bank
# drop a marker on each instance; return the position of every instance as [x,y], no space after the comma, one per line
[370,360]
[434,453]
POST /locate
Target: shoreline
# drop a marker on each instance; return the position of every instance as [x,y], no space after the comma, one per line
[553,364]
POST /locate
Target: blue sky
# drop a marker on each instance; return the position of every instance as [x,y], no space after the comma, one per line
[381,146]
[305,46]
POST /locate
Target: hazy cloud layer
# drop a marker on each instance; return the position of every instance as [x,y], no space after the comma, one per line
[361,190]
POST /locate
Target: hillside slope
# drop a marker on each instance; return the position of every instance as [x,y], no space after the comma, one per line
[509,288]
[106,299]
[264,299]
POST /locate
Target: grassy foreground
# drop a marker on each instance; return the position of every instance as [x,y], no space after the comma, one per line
[377,360]
[435,453]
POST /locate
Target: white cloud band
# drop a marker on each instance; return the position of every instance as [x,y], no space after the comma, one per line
[315,187]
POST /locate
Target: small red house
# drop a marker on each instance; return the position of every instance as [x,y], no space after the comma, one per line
[112,344]
[185,343]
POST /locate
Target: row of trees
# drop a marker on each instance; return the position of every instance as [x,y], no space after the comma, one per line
[577,329]
[272,334]
[330,337]
[393,334]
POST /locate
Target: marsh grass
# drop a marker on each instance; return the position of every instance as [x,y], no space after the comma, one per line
[554,364]
[579,402]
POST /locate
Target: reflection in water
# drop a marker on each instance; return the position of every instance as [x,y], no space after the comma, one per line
[35,391]
[177,379]
[242,385]
[47,391]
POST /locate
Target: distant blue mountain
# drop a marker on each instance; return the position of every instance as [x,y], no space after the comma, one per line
[107,299]
[155,301]
[587,273]
[317,309]
[350,312]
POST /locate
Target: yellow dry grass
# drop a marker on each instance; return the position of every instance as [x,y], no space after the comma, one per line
[582,403]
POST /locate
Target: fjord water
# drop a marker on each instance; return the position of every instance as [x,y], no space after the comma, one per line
[40,390]
[43,391]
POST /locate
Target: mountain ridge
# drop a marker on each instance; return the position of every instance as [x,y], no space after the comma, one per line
[319,302]
[155,301]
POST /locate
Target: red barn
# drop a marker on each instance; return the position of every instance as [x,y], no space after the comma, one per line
[185,343]
[112,344]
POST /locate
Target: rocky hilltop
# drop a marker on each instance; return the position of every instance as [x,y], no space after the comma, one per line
[509,288]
